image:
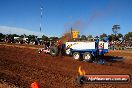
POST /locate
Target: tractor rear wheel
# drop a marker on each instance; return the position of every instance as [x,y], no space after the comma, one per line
[54,51]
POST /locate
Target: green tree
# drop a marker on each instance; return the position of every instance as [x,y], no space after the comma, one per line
[2,36]
[128,36]
[109,38]
[96,37]
[25,35]
[83,37]
[21,36]
[90,38]
[112,37]
[31,37]
[102,36]
[115,29]
[120,36]
[14,35]
[54,38]
[45,38]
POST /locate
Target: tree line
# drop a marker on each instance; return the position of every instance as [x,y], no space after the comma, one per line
[111,37]
[30,37]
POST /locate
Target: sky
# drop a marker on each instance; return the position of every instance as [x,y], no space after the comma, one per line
[89,17]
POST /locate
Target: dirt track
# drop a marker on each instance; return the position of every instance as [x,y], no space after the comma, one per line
[22,66]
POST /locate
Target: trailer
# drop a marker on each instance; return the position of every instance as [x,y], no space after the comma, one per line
[86,51]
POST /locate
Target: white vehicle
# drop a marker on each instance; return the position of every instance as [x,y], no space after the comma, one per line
[86,50]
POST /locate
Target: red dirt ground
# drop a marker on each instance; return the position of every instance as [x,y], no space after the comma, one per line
[21,66]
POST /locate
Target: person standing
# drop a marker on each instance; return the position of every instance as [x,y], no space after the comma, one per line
[62,50]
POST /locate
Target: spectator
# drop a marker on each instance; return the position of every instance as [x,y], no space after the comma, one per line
[62,50]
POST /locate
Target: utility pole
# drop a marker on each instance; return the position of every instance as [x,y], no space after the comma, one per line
[41,14]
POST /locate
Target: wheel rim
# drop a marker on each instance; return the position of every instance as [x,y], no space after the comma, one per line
[53,51]
[68,52]
[76,56]
[87,57]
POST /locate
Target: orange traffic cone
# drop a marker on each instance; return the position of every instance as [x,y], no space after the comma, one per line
[34,85]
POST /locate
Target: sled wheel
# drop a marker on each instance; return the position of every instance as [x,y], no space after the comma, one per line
[87,57]
[76,55]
